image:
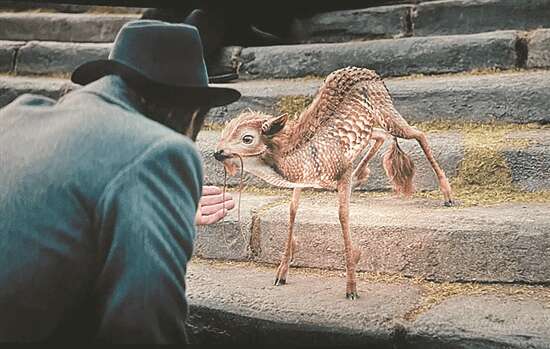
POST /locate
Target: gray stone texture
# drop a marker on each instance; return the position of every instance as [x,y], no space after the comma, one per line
[474,16]
[61,27]
[420,238]
[47,57]
[483,322]
[310,306]
[530,166]
[389,57]
[337,26]
[539,49]
[231,238]
[18,5]
[236,303]
[8,52]
[508,97]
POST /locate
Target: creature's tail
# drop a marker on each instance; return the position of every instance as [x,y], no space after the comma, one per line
[399,168]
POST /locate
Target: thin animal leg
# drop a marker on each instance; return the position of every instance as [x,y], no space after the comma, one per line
[290,246]
[361,172]
[410,132]
[352,254]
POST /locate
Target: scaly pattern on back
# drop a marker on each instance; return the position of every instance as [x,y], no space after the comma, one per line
[334,129]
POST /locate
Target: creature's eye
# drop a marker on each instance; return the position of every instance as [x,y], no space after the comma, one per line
[248,139]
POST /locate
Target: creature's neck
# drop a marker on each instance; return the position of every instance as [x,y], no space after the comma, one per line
[266,171]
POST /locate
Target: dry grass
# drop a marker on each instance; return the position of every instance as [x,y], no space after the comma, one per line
[293,105]
[484,177]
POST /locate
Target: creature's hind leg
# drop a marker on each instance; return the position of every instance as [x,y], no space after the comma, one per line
[290,247]
[361,172]
[352,254]
[404,130]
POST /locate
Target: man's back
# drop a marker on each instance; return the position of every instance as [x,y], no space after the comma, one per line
[95,199]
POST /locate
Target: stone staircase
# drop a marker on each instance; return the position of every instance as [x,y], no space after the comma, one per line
[473,73]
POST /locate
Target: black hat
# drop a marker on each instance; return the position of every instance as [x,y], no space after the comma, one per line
[163,61]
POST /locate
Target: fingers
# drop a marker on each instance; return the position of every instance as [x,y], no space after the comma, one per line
[210,209]
[211,219]
[207,200]
[211,190]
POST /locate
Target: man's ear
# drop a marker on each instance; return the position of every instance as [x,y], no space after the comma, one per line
[274,124]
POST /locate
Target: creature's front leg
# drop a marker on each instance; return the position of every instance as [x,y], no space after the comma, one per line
[290,248]
[352,254]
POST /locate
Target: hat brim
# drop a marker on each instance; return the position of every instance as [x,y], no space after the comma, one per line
[158,91]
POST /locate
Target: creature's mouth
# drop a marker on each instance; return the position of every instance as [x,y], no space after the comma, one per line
[220,155]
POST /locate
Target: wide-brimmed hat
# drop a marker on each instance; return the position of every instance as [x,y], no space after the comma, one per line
[163,60]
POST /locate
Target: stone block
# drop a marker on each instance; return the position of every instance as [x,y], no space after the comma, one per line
[389,57]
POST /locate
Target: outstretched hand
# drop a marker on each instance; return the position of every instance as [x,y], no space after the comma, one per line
[211,205]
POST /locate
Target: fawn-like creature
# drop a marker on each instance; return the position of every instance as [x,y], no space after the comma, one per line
[319,148]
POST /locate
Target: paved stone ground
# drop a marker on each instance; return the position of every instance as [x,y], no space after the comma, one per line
[236,303]
[412,237]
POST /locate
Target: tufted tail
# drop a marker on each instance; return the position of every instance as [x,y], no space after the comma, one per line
[399,168]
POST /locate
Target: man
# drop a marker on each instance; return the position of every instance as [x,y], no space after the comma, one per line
[99,194]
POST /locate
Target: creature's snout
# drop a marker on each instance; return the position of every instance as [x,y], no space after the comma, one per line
[220,155]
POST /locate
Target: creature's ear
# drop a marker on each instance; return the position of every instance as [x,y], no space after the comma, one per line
[274,124]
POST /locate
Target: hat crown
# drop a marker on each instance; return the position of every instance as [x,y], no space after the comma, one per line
[158,50]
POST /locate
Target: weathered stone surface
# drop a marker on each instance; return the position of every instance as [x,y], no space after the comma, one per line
[389,57]
[501,243]
[338,26]
[530,166]
[467,16]
[48,57]
[539,49]
[483,322]
[230,239]
[236,303]
[510,97]
[12,87]
[8,51]
[61,27]
[448,149]
[18,5]
[310,310]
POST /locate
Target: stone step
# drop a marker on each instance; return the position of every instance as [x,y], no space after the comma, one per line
[62,27]
[519,97]
[237,304]
[446,17]
[417,237]
[69,8]
[389,57]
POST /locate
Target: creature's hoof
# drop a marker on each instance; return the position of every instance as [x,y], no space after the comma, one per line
[352,295]
[449,203]
[280,282]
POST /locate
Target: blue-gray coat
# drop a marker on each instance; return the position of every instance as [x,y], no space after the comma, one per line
[97,207]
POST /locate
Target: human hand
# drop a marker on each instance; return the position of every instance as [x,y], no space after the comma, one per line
[211,205]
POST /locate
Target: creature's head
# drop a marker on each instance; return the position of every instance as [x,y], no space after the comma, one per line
[247,136]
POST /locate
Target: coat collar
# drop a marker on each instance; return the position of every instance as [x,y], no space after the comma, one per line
[113,89]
